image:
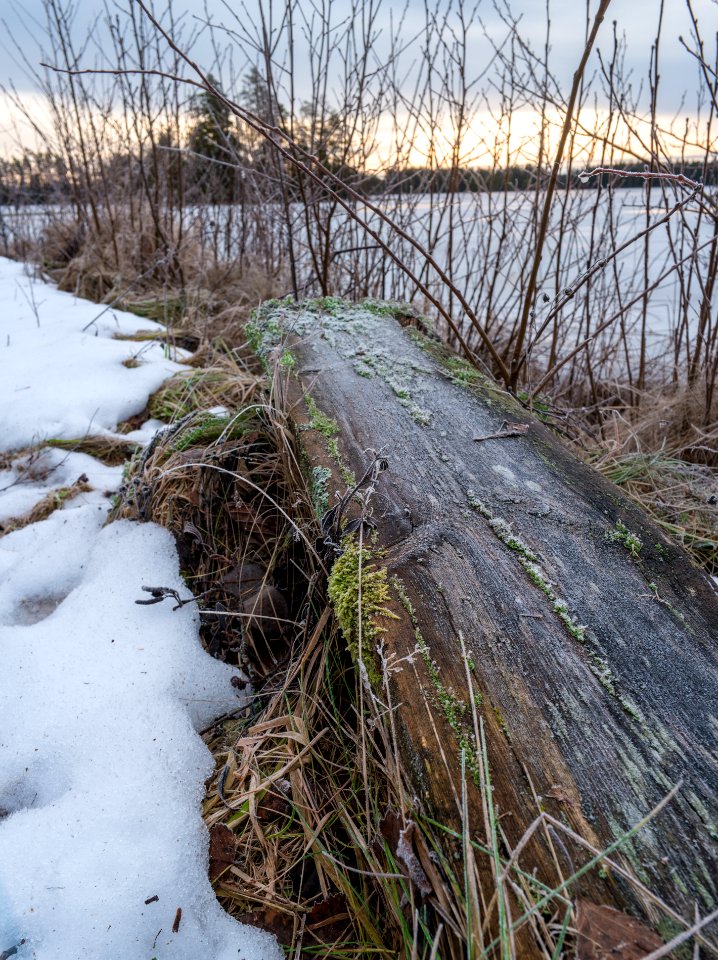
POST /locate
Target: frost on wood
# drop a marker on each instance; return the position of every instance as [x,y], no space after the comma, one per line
[544,605]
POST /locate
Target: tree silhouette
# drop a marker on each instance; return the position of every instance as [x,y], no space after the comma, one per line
[216,147]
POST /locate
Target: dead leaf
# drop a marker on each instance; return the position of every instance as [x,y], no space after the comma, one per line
[273,806]
[329,919]
[389,829]
[402,841]
[607,934]
[191,530]
[406,855]
[222,849]
[274,921]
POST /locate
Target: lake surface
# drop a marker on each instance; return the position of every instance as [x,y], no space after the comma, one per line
[483,243]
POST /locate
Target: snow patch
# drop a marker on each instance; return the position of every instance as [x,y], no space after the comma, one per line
[102,768]
[33,475]
[60,380]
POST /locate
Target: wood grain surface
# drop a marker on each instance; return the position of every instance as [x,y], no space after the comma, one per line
[589,638]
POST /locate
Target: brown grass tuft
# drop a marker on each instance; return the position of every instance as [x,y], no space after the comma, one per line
[113,451]
[225,382]
[662,454]
[52,501]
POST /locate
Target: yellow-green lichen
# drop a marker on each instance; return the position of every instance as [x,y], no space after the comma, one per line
[359,592]
[460,371]
[455,710]
[319,490]
[502,724]
[531,565]
[287,361]
[330,305]
[329,429]
[319,421]
[621,534]
[653,587]
[397,373]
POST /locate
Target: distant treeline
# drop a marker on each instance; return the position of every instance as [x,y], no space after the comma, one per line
[42,178]
[527,177]
[217,161]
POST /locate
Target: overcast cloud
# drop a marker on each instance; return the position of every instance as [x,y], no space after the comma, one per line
[23,26]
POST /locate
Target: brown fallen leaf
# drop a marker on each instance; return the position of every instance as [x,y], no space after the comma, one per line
[280,923]
[329,921]
[607,934]
[222,849]
[390,827]
[406,855]
[403,843]
[273,806]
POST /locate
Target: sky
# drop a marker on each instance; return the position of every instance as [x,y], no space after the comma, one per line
[23,37]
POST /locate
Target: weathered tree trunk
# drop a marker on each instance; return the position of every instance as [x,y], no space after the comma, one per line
[588,636]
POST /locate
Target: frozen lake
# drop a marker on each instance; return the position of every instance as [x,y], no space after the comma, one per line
[483,242]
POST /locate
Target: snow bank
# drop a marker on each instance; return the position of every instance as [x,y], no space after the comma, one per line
[59,380]
[33,476]
[101,765]
[101,772]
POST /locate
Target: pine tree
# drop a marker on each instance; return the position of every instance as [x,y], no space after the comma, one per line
[214,141]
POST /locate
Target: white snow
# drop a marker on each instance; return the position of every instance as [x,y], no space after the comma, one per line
[101,765]
[60,380]
[36,474]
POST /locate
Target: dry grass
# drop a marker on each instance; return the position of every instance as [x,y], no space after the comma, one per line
[212,480]
[54,500]
[662,455]
[110,450]
[157,274]
[224,381]
[681,497]
[113,451]
[108,257]
[671,422]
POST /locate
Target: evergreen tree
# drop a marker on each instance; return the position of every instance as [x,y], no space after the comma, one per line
[214,140]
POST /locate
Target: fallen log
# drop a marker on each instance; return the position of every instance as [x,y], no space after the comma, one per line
[554,622]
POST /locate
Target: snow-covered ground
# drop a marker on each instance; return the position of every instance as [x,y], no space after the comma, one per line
[101,765]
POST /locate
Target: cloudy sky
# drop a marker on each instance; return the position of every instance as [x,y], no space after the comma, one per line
[637,20]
